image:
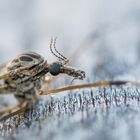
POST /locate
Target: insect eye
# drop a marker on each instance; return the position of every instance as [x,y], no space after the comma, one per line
[26,58]
[55,68]
[33,55]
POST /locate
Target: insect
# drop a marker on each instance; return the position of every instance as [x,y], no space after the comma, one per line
[25,74]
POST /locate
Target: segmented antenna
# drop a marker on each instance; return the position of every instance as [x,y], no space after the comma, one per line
[57,50]
[52,49]
[58,55]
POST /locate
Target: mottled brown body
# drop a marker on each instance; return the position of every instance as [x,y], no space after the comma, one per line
[25,75]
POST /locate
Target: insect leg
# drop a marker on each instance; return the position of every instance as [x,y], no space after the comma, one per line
[92,85]
[19,110]
[9,109]
[6,89]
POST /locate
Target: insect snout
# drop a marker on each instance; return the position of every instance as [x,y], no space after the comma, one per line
[80,74]
[57,68]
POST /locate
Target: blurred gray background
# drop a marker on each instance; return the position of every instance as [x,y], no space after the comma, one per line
[100,28]
[101,37]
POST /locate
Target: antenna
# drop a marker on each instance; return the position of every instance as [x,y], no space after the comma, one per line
[57,50]
[57,53]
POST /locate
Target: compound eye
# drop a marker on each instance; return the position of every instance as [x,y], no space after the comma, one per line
[26,58]
[55,68]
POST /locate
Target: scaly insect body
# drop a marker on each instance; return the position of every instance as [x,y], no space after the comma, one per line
[25,74]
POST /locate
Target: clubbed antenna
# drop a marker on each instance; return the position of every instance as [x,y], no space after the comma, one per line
[58,55]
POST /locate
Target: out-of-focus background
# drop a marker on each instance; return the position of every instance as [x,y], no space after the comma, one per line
[111,27]
[100,37]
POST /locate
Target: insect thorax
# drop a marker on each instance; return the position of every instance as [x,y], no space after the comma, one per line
[26,72]
[25,67]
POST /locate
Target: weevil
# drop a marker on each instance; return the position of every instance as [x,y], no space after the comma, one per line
[24,75]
